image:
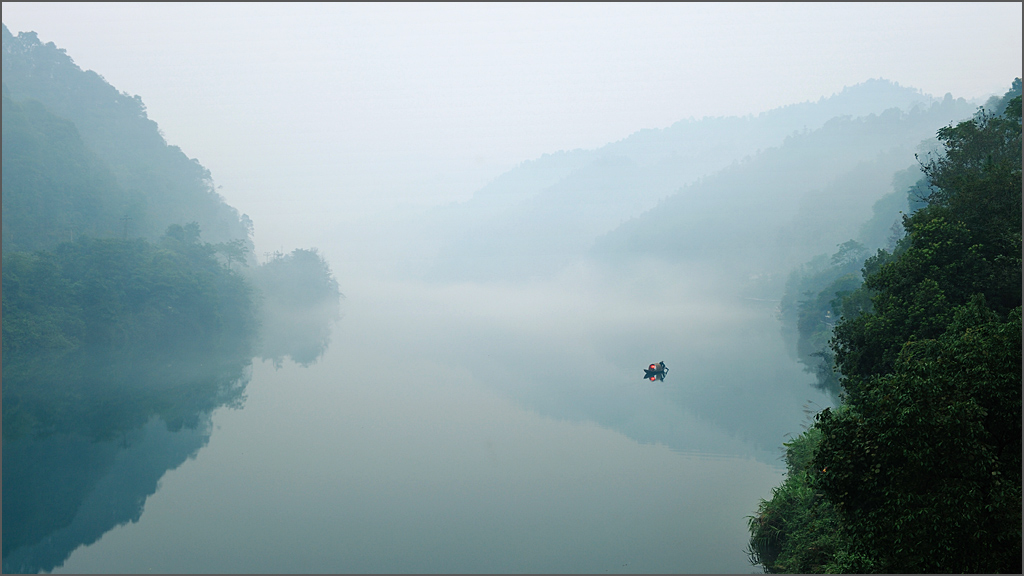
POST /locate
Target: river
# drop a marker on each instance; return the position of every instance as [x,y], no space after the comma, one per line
[469,427]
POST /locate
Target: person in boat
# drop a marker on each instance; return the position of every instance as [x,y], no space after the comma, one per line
[656,371]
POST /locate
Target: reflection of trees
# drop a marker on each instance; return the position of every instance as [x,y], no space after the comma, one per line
[297,332]
[86,439]
[115,355]
[811,305]
[75,489]
[118,342]
[89,430]
[300,304]
[102,396]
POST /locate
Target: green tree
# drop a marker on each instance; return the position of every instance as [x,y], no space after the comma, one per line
[920,467]
[797,531]
[926,464]
[103,298]
[966,241]
[923,461]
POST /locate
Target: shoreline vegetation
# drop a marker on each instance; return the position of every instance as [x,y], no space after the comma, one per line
[133,304]
[105,250]
[918,470]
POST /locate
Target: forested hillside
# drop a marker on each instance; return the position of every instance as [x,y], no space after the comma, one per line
[98,255]
[112,237]
[132,305]
[54,187]
[919,469]
[157,184]
[811,304]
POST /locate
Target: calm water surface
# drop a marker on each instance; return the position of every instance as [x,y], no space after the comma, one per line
[469,428]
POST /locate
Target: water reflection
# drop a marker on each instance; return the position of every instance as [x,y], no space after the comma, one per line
[338,469]
[512,432]
[67,490]
[572,352]
[298,333]
[88,435]
[300,304]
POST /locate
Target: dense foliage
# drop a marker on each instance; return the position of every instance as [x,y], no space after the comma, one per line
[919,470]
[797,530]
[101,298]
[55,188]
[965,242]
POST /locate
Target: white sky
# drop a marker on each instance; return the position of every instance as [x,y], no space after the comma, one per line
[360,107]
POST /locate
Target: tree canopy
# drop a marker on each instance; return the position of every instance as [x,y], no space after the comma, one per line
[919,469]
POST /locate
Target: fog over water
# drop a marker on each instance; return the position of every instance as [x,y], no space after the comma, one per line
[524,207]
[433,436]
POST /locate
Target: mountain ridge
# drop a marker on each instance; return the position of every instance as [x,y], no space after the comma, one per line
[539,224]
[163,185]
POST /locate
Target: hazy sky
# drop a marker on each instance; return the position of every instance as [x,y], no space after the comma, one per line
[360,107]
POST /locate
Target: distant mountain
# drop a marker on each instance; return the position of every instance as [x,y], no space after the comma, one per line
[156,184]
[537,217]
[786,204]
